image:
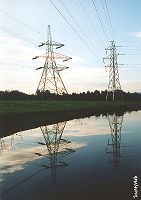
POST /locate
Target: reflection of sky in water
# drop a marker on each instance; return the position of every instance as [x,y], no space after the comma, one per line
[90,172]
[87,126]
[14,158]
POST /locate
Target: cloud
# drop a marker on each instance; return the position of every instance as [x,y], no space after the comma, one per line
[22,149]
[132,86]
[137,34]
[15,50]
[87,127]
[16,64]
[80,79]
[18,69]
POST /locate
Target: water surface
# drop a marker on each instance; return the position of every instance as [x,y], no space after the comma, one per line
[89,159]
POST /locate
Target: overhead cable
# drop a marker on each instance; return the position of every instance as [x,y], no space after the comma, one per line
[74,30]
[21,22]
[112,31]
[76,22]
[90,21]
[101,23]
[106,12]
[18,35]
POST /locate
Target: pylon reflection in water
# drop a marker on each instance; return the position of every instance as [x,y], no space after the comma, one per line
[2,144]
[8,144]
[56,147]
[113,148]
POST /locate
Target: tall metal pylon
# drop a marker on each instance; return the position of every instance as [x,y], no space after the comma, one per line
[114,82]
[113,148]
[6,145]
[56,147]
[50,79]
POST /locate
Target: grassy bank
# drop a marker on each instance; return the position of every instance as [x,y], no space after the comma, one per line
[18,116]
[7,107]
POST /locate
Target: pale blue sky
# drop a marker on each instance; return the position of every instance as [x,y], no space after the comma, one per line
[23,25]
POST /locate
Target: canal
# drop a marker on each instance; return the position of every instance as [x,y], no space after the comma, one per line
[93,158]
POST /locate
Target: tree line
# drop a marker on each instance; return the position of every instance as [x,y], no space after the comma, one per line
[84,96]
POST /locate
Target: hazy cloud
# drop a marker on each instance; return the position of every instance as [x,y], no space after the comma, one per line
[85,127]
[137,34]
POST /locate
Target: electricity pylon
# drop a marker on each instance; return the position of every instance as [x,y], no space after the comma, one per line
[114,82]
[56,147]
[113,148]
[2,144]
[50,79]
[6,145]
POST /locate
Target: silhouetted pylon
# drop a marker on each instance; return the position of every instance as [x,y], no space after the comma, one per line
[50,79]
[114,82]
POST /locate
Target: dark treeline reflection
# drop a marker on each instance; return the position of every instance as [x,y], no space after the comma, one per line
[88,96]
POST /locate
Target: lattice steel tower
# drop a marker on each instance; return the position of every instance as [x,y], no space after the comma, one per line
[114,148]
[57,147]
[114,82]
[50,79]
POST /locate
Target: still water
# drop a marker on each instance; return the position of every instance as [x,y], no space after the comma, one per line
[93,158]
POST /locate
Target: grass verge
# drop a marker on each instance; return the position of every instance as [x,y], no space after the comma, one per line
[7,107]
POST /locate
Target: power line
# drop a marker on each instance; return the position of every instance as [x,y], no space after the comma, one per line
[129,46]
[106,12]
[74,30]
[106,19]
[19,3]
[21,22]
[76,22]
[100,20]
[130,64]
[18,65]
[126,54]
[109,19]
[124,49]
[17,34]
[93,27]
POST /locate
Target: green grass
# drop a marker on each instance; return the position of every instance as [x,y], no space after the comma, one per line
[52,106]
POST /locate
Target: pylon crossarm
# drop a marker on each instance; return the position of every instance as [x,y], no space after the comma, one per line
[107,57]
[56,56]
[61,68]
[57,44]
[39,68]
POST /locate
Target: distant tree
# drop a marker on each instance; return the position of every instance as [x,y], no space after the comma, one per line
[88,96]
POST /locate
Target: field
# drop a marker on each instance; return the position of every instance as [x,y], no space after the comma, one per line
[7,107]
